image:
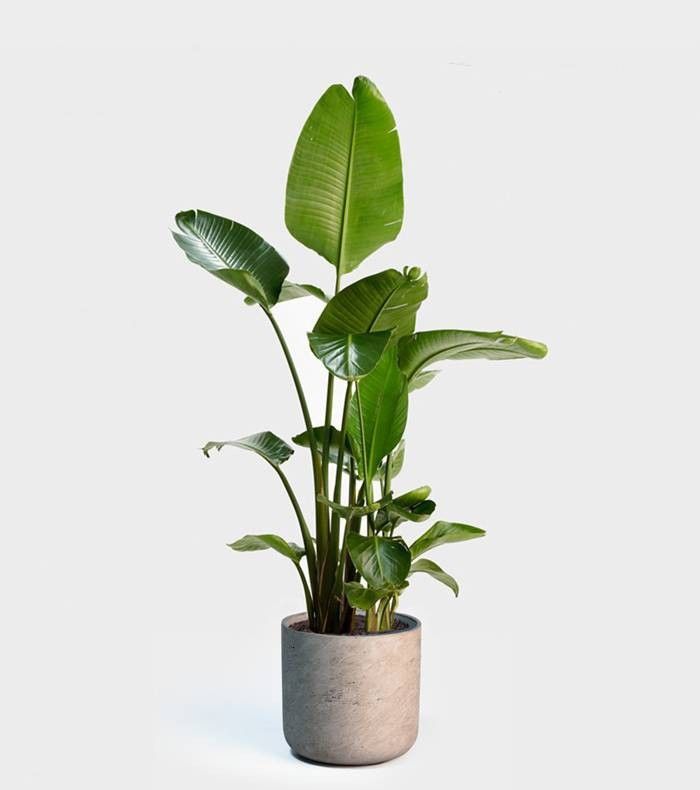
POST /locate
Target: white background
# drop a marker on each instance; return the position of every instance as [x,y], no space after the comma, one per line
[551,171]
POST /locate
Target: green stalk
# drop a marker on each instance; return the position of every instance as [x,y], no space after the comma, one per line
[328,419]
[307,596]
[367,483]
[326,551]
[305,534]
[387,475]
[329,408]
[333,546]
[338,488]
[322,526]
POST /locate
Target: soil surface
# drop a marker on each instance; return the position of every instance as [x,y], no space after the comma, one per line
[358,626]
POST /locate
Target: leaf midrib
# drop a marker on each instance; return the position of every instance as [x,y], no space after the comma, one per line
[348,186]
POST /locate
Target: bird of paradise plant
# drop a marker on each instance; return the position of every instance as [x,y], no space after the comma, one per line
[344,200]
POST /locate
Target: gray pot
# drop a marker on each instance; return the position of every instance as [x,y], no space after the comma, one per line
[350,700]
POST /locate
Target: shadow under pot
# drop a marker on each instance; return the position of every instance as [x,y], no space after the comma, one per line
[350,700]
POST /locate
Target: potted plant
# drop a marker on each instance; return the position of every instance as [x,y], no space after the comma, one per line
[350,661]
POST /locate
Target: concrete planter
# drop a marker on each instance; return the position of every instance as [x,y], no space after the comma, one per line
[350,700]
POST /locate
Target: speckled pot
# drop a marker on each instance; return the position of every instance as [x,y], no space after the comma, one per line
[350,700]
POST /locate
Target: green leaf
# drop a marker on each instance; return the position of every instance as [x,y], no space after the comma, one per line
[295,291]
[360,597]
[444,532]
[302,439]
[419,380]
[233,253]
[383,562]
[381,409]
[434,570]
[420,511]
[349,357]
[353,511]
[270,447]
[345,186]
[421,349]
[261,542]
[411,506]
[413,497]
[299,290]
[385,301]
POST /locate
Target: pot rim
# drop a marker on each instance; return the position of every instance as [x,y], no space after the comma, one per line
[413,624]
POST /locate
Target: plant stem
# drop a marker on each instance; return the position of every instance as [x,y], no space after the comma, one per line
[338,488]
[322,530]
[297,382]
[305,534]
[329,405]
[328,419]
[367,483]
[327,551]
[307,596]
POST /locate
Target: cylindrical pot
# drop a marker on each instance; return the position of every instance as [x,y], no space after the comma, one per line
[350,700]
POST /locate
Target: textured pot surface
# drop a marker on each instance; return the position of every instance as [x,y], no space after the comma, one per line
[350,700]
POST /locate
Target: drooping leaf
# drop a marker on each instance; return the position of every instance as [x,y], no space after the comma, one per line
[233,253]
[388,300]
[381,410]
[421,349]
[349,357]
[434,570]
[270,447]
[353,511]
[345,186]
[261,542]
[383,562]
[296,291]
[299,290]
[302,439]
[444,532]
[420,380]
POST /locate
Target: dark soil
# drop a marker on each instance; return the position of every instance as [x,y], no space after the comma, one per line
[358,626]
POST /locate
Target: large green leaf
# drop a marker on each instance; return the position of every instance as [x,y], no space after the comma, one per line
[418,351]
[345,187]
[261,542]
[232,252]
[444,532]
[383,562]
[388,300]
[377,417]
[434,570]
[270,447]
[349,357]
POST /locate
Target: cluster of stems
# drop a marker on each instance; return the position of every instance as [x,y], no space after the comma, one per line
[329,564]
